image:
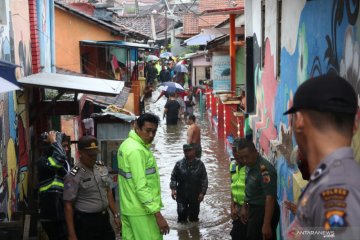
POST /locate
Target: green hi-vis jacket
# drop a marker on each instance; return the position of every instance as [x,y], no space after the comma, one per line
[139,180]
[238,175]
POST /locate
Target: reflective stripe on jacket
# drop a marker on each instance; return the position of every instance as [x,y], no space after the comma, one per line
[56,184]
[238,175]
[139,180]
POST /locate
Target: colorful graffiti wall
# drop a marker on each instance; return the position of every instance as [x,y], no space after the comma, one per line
[326,39]
[14,141]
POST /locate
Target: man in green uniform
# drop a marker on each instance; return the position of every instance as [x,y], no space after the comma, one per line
[260,210]
[238,173]
[139,183]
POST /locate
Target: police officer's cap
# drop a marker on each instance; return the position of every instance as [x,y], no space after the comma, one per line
[189,146]
[88,143]
[325,93]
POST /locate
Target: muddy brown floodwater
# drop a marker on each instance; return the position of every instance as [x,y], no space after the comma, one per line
[215,222]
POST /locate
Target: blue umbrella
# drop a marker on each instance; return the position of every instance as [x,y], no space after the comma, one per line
[166,55]
[180,68]
[171,87]
[8,80]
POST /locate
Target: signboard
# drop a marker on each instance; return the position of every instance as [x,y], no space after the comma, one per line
[221,73]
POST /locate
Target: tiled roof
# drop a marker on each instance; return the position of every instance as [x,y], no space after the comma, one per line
[191,24]
[140,23]
[83,10]
[194,23]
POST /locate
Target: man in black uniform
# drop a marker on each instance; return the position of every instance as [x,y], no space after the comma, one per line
[260,210]
[188,185]
[88,195]
[52,166]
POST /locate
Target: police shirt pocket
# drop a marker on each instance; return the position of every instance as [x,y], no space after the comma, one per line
[105,181]
[86,182]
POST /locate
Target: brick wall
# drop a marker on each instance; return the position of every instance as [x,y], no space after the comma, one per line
[213,20]
[190,24]
[35,49]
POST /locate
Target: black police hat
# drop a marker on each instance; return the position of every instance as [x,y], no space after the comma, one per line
[325,93]
[88,143]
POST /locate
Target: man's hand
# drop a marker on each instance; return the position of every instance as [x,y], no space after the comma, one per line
[266,231]
[234,212]
[201,197]
[244,214]
[52,137]
[173,194]
[161,222]
[72,237]
[290,206]
[117,224]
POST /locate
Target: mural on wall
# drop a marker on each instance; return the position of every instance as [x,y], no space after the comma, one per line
[327,41]
[43,7]
[15,48]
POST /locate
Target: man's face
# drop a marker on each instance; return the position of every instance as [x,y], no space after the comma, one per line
[189,121]
[238,159]
[190,154]
[147,132]
[88,157]
[66,146]
[246,156]
[299,126]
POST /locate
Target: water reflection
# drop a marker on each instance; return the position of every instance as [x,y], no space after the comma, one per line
[215,222]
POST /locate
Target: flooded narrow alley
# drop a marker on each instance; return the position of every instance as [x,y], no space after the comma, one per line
[215,222]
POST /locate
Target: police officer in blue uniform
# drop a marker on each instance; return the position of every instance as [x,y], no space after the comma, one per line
[323,111]
[88,195]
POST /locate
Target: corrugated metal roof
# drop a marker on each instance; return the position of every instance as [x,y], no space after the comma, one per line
[118,43]
[73,83]
[119,100]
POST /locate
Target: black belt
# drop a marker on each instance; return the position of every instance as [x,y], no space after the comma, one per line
[101,213]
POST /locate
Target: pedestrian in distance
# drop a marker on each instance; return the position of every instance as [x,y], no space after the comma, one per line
[171,110]
[323,121]
[164,75]
[151,73]
[52,166]
[194,135]
[88,196]
[260,210]
[189,104]
[139,183]
[237,173]
[188,185]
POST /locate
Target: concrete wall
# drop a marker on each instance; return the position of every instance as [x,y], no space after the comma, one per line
[316,37]
[69,31]
[14,130]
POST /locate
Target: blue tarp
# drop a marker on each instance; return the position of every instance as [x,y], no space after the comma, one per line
[200,39]
[8,80]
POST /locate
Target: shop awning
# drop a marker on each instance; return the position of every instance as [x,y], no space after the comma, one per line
[72,83]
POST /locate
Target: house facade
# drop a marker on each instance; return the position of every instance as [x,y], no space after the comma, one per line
[15,47]
[287,43]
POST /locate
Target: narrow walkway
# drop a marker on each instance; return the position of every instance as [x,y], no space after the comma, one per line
[215,222]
